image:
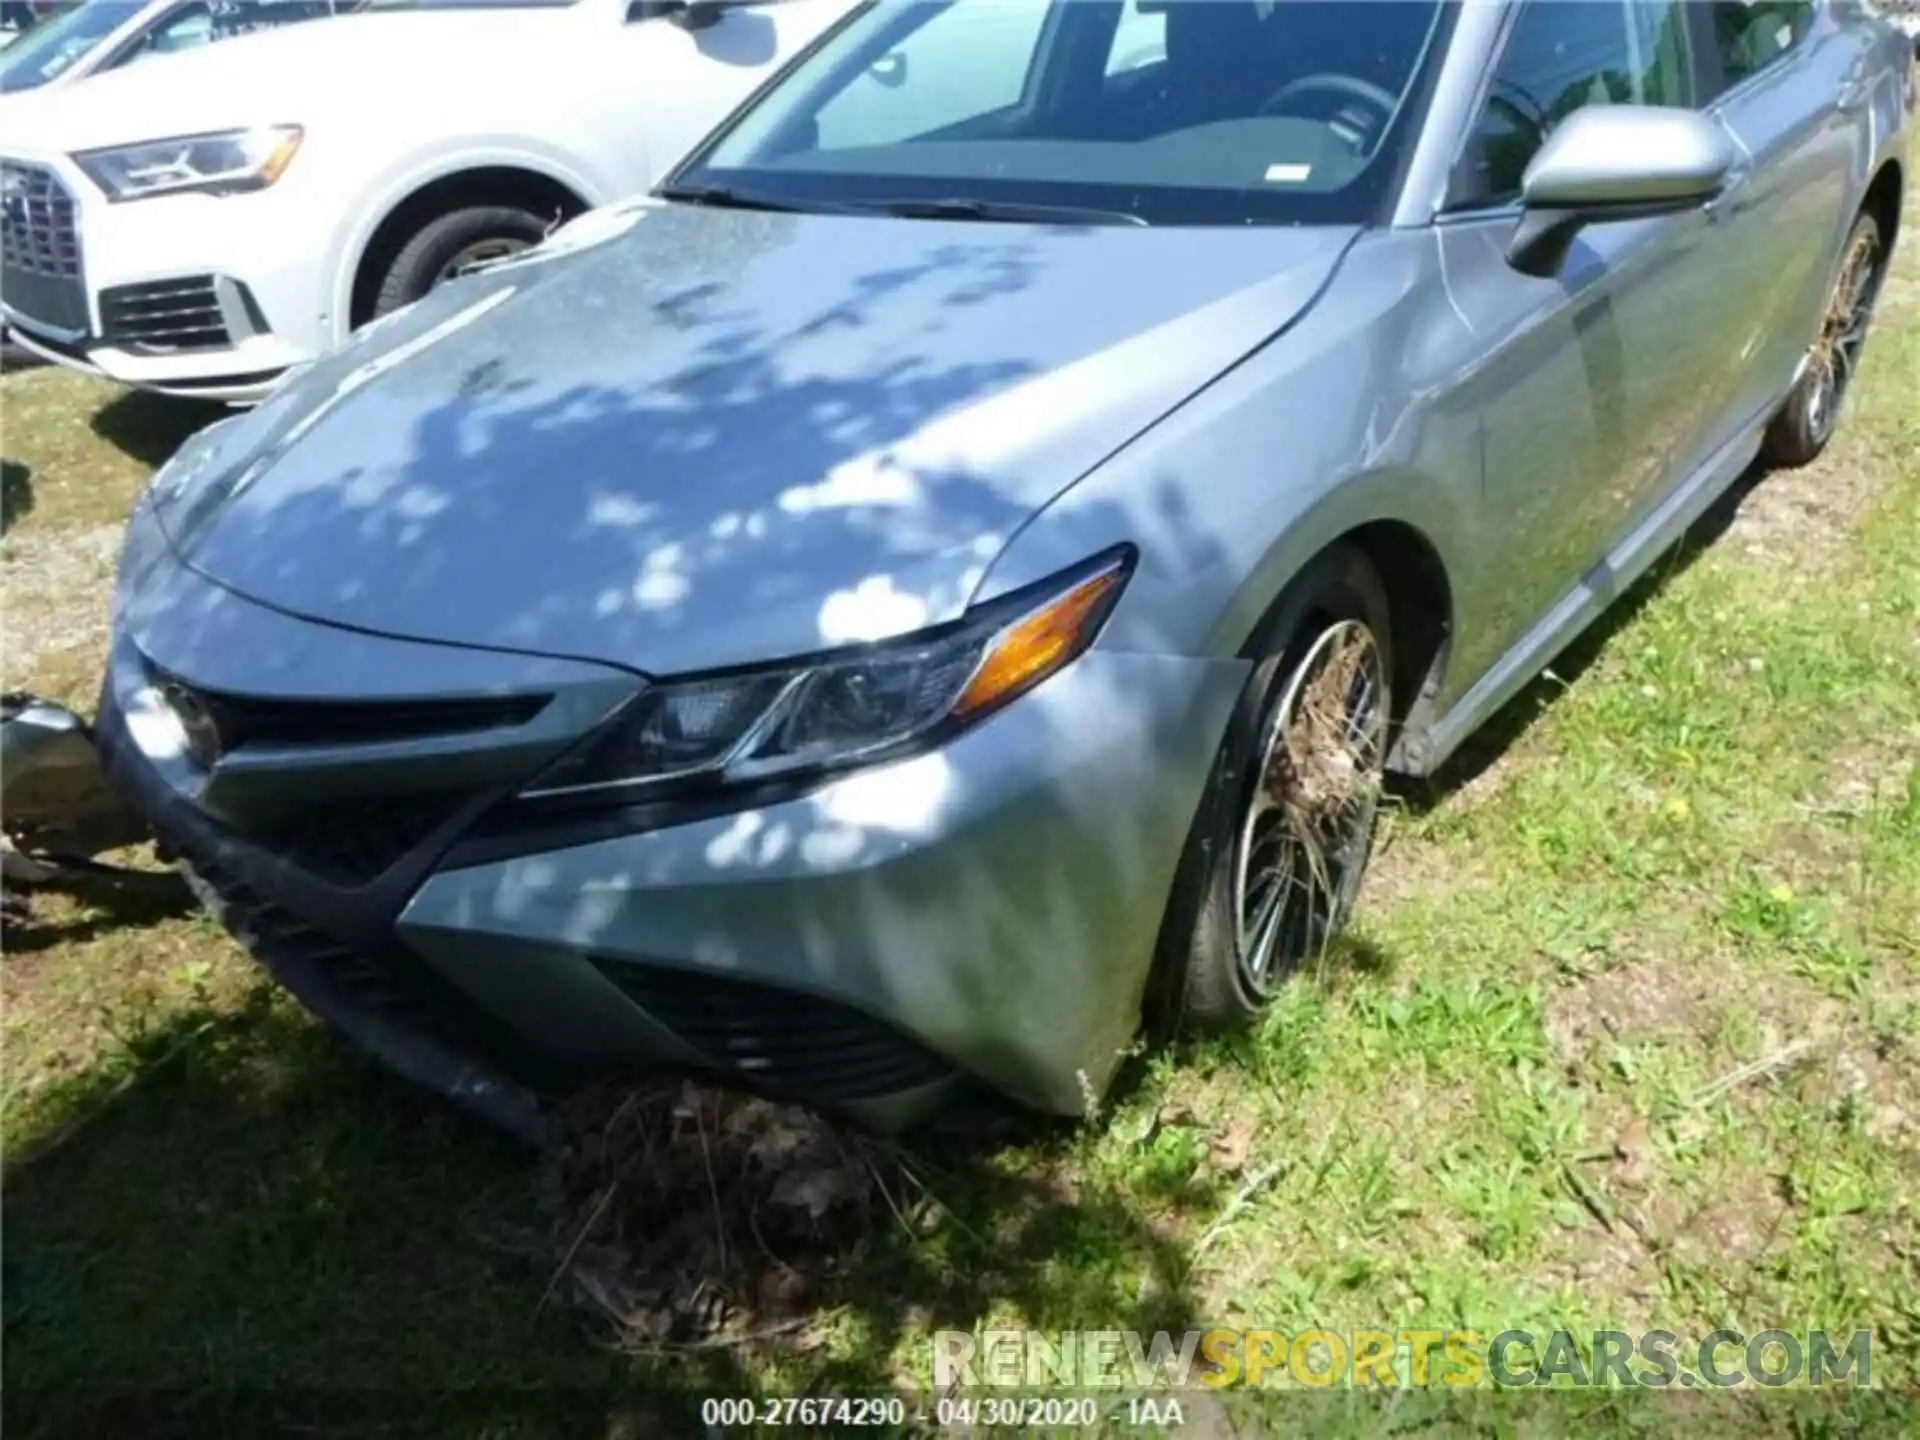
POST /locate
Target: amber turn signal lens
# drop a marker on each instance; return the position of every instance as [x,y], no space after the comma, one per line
[1029,650]
[280,157]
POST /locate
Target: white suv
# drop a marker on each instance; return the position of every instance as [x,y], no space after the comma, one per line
[201,223]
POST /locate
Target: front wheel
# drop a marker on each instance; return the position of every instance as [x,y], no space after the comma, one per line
[1807,420]
[452,245]
[1277,851]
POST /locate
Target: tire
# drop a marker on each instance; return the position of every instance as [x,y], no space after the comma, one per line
[1810,415]
[421,263]
[1205,969]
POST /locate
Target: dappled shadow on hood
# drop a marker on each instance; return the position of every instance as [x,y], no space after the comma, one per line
[719,437]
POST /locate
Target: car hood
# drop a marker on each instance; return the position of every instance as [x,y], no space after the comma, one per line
[679,438]
[291,73]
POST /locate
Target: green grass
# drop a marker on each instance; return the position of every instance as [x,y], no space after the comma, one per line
[1627,1036]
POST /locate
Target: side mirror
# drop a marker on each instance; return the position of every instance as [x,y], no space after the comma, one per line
[1615,162]
[687,14]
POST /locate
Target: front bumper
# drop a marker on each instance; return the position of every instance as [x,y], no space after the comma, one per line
[213,297]
[988,910]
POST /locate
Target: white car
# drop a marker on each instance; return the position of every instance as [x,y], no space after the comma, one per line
[92,36]
[203,223]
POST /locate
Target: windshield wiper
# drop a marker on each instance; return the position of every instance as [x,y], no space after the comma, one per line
[1006,211]
[724,197]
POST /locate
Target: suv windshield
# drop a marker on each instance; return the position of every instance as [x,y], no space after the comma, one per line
[1195,112]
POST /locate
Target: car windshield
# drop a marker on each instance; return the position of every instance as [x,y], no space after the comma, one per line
[1195,112]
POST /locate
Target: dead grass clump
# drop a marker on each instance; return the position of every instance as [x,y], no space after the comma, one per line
[693,1215]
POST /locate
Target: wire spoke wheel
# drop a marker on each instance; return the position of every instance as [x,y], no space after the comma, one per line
[1309,819]
[1843,333]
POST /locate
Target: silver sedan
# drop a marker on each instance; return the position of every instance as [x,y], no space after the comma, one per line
[949,574]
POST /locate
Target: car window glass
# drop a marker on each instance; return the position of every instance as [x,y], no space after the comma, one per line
[1561,56]
[182,30]
[1139,40]
[52,47]
[191,26]
[1221,112]
[967,61]
[1750,37]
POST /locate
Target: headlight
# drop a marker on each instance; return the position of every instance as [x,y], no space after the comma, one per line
[224,163]
[856,707]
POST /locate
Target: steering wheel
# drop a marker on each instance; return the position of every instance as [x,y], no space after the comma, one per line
[1351,87]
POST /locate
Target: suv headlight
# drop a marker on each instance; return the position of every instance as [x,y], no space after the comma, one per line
[223,163]
[850,708]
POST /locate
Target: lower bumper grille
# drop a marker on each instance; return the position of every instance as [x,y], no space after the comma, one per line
[281,937]
[354,843]
[165,315]
[782,1040]
[424,1035]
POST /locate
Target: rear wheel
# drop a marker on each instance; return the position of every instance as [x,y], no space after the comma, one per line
[1807,420]
[1275,859]
[452,245]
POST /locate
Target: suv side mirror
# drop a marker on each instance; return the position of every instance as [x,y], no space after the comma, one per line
[687,14]
[1615,162]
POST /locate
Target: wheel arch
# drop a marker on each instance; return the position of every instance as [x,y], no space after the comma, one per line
[1420,605]
[1408,525]
[410,200]
[1885,195]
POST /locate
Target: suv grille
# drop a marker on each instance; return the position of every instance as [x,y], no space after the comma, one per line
[38,233]
[40,248]
[784,1040]
[165,315]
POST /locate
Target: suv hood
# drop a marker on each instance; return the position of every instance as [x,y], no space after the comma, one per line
[678,438]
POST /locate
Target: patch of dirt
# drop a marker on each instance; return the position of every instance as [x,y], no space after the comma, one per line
[1643,998]
[1730,1231]
[1864,778]
[1879,1077]
[1795,517]
[1406,867]
[57,585]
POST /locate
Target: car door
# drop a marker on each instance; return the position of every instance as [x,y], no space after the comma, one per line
[1588,382]
[1789,84]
